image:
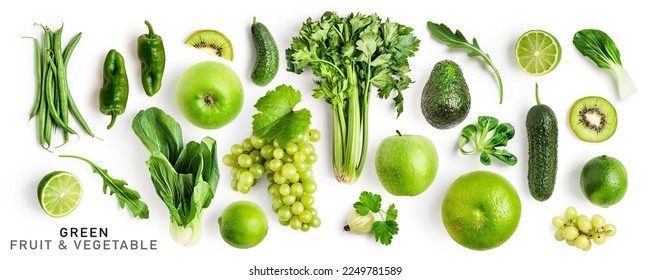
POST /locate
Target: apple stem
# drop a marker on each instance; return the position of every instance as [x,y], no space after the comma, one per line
[398,133]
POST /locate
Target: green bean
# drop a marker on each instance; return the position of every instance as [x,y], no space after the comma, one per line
[77,115]
[50,99]
[46,133]
[70,48]
[61,80]
[37,67]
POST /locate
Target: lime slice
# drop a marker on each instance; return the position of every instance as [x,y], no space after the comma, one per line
[538,52]
[59,193]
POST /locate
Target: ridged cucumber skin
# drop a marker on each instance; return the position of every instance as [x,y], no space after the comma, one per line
[268,59]
[542,130]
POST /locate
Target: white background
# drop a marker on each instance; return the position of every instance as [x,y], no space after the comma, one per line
[422,247]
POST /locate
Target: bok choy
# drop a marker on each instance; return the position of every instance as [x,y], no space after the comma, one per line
[185,177]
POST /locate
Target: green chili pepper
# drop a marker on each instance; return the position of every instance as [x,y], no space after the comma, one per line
[151,54]
[115,90]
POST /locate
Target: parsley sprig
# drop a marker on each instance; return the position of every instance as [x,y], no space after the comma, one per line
[385,229]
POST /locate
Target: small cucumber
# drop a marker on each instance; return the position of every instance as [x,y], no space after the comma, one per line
[541,126]
[268,59]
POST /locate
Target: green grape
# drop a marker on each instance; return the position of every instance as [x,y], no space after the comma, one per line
[247,145]
[314,135]
[257,142]
[295,222]
[239,172]
[559,222]
[570,242]
[233,171]
[236,150]
[266,166]
[276,203]
[304,148]
[256,156]
[229,160]
[308,186]
[315,221]
[609,230]
[284,223]
[571,213]
[588,246]
[245,160]
[284,189]
[598,221]
[278,153]
[311,158]
[276,144]
[296,189]
[294,179]
[582,241]
[297,208]
[275,165]
[288,170]
[583,223]
[289,199]
[287,158]
[242,188]
[269,176]
[278,178]
[559,236]
[307,174]
[307,199]
[291,148]
[284,213]
[257,170]
[267,151]
[274,190]
[570,233]
[233,184]
[599,239]
[246,179]
[300,166]
[311,210]
[305,216]
[299,157]
[305,227]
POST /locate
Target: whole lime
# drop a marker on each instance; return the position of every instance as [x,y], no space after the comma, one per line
[603,181]
[481,210]
[243,224]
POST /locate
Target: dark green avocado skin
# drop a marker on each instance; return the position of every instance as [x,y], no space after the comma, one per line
[445,98]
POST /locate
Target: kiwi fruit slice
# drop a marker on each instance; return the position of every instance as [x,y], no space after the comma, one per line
[211,41]
[593,119]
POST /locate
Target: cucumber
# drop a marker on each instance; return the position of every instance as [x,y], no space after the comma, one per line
[268,59]
[541,127]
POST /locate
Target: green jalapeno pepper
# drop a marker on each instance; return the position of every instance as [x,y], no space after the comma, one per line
[151,54]
[115,91]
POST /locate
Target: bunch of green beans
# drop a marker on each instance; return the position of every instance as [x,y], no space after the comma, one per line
[53,102]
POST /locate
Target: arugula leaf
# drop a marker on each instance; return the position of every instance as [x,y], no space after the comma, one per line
[367,202]
[124,195]
[503,132]
[383,230]
[277,119]
[456,40]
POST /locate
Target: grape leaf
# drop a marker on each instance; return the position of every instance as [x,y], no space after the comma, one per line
[277,119]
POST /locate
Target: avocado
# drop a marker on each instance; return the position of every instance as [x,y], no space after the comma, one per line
[445,98]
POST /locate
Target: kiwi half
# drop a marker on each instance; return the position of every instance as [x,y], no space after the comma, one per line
[593,119]
[211,41]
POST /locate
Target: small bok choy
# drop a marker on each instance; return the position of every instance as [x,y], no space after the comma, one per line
[600,48]
[185,177]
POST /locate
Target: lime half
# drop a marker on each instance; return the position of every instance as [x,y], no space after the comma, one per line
[538,52]
[59,193]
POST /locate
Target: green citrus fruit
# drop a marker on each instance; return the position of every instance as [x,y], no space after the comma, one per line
[603,181]
[537,52]
[243,224]
[481,210]
[59,193]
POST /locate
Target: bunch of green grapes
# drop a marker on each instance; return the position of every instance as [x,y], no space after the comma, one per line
[580,231]
[289,172]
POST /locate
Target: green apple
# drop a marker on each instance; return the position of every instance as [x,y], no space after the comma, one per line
[209,94]
[406,164]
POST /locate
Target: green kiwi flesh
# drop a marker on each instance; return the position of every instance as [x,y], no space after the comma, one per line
[593,119]
[211,41]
